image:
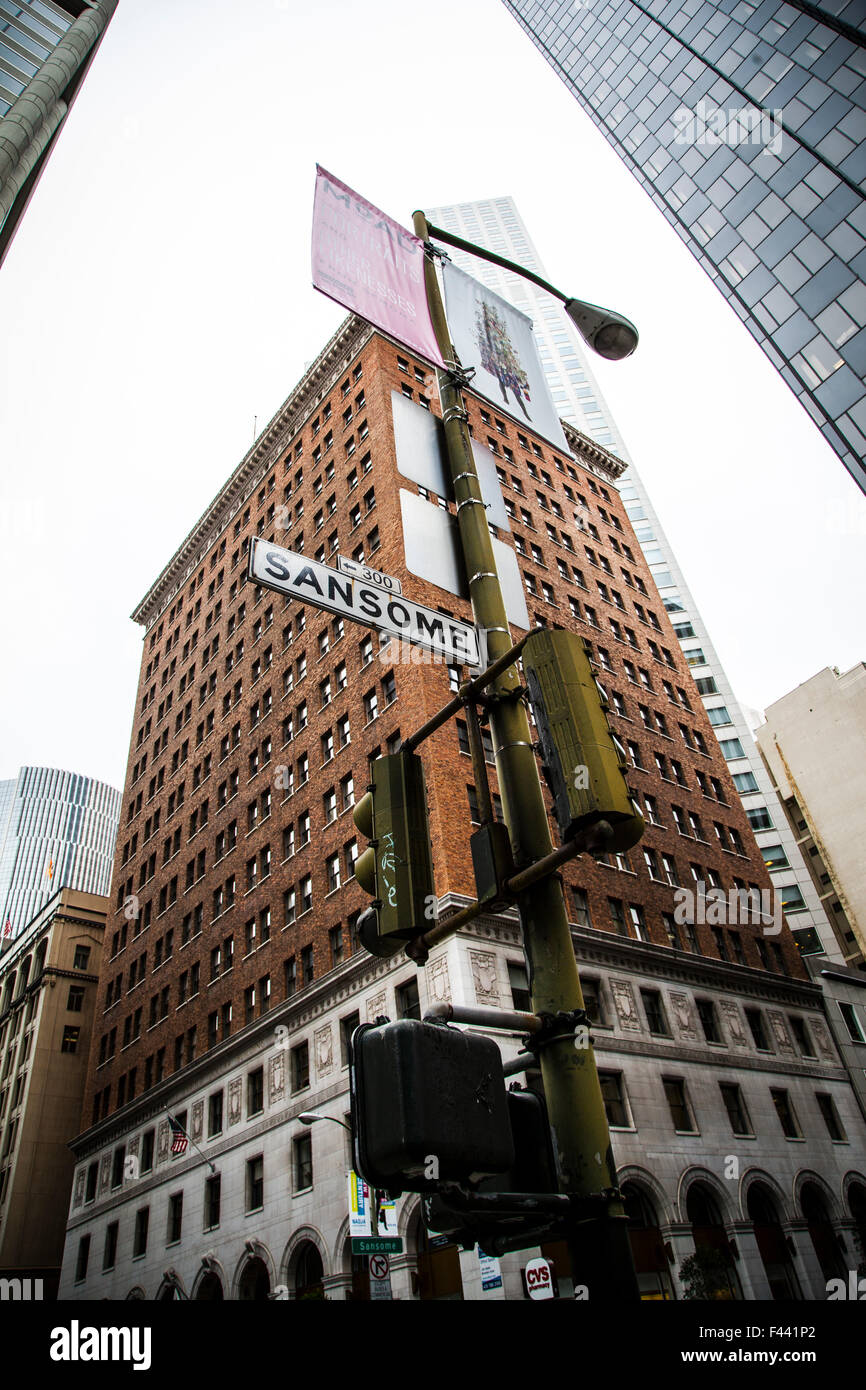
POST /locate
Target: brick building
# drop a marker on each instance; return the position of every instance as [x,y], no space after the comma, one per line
[232,975]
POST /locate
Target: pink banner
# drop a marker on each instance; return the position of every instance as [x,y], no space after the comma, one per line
[369,263]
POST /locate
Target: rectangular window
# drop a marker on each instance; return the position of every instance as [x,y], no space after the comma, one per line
[736,1108]
[255,1091]
[139,1239]
[303,1155]
[675,1093]
[827,1106]
[212,1194]
[408,1003]
[347,1028]
[655,1014]
[613,1094]
[785,1112]
[109,1249]
[852,1022]
[175,1218]
[300,1067]
[81,1260]
[707,1014]
[215,1114]
[255,1183]
[519,982]
[755,1020]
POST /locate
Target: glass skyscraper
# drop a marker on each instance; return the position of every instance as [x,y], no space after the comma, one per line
[46,47]
[497,225]
[57,830]
[745,124]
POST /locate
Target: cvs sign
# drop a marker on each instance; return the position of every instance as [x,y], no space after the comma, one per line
[538,1279]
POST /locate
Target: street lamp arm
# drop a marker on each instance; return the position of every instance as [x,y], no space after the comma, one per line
[608,333]
[486,255]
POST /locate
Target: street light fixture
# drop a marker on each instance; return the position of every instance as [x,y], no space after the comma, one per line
[608,333]
[310,1117]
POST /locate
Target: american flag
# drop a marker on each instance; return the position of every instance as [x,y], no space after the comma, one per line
[7,930]
[179,1136]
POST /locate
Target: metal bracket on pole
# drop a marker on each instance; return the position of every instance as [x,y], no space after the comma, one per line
[435,253]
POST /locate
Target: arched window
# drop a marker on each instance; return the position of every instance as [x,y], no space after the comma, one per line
[710,1272]
[309,1272]
[823,1236]
[255,1282]
[647,1245]
[776,1257]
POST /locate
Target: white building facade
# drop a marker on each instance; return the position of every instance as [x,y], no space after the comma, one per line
[733,1122]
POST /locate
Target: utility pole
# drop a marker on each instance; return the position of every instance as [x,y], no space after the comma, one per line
[598,1233]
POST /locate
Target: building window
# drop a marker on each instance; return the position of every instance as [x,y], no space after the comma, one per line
[827,1107]
[709,1022]
[303,1154]
[81,960]
[69,1040]
[852,1022]
[109,1250]
[215,1114]
[755,1020]
[81,1260]
[139,1239]
[307,965]
[212,1193]
[613,1094]
[675,1093]
[255,1184]
[335,941]
[347,1028]
[300,1067]
[785,1112]
[518,979]
[801,1034]
[408,1002]
[655,1014]
[255,1091]
[175,1218]
[736,1108]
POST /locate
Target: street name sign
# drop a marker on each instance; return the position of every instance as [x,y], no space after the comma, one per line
[377,1245]
[309,581]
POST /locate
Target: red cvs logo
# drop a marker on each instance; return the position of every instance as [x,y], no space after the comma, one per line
[539,1283]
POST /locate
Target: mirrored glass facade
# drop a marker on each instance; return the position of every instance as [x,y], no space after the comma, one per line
[57,830]
[745,124]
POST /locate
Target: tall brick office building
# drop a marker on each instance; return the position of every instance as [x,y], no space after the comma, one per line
[232,975]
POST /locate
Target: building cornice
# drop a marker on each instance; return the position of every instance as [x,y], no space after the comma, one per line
[587,449]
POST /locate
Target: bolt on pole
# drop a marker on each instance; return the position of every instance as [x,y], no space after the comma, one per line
[598,1235]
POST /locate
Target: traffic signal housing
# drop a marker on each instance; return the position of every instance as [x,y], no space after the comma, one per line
[429,1106]
[584,770]
[397,867]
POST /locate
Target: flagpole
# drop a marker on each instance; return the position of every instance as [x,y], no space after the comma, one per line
[176,1123]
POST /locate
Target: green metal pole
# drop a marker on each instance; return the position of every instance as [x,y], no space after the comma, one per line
[598,1240]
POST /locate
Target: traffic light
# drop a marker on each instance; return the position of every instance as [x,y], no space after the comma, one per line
[429,1106]
[397,868]
[583,768]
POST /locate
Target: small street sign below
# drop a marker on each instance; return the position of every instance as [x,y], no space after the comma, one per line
[379,1266]
[377,1245]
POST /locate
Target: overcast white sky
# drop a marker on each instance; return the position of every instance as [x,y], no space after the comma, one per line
[157,298]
